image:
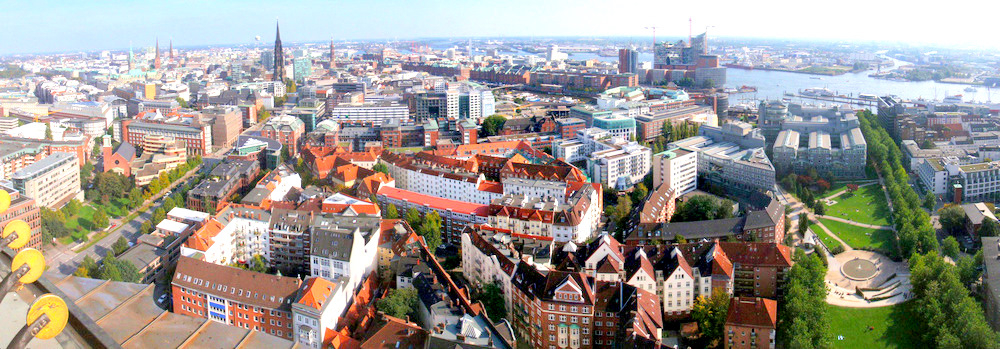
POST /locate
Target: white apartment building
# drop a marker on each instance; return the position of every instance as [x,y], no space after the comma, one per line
[344,245]
[575,220]
[375,113]
[620,167]
[677,168]
[52,181]
[440,182]
[611,160]
[318,309]
[485,260]
[534,188]
[970,182]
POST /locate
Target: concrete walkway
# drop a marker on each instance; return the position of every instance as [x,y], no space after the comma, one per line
[863,225]
[843,291]
[827,230]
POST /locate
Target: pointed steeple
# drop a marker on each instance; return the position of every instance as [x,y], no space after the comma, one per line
[156,63]
[279,56]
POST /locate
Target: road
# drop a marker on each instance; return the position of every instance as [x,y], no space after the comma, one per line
[66,261]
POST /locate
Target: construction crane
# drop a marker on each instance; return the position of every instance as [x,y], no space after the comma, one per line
[654,37]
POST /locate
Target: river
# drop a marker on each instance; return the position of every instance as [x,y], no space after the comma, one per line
[774,84]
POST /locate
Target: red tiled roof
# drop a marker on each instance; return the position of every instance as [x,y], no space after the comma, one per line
[316,292]
[435,202]
[752,312]
[758,253]
[201,240]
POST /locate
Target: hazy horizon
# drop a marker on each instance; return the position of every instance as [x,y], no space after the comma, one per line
[61,26]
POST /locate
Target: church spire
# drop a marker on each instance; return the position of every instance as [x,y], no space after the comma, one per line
[279,56]
[171,49]
[156,63]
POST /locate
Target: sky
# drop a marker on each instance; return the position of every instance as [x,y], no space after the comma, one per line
[39,26]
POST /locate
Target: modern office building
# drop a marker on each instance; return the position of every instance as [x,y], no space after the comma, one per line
[611,160]
[828,140]
[52,181]
[732,158]
[436,104]
[677,169]
[301,68]
[628,60]
[375,113]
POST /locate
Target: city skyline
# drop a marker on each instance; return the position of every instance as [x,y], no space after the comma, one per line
[70,27]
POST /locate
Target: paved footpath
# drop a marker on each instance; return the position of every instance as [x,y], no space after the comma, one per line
[834,236]
[872,226]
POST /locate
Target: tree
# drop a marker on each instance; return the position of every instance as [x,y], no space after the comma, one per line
[949,247]
[430,230]
[639,193]
[258,264]
[803,223]
[929,201]
[678,238]
[120,246]
[87,268]
[493,124]
[819,208]
[710,313]
[412,216]
[380,167]
[492,298]
[391,212]
[100,220]
[48,131]
[802,322]
[989,228]
[952,219]
[399,303]
[944,310]
[702,207]
[182,103]
[146,227]
[823,185]
[158,215]
[263,115]
[708,83]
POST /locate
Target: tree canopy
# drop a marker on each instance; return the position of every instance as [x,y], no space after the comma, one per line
[493,124]
[703,207]
[399,303]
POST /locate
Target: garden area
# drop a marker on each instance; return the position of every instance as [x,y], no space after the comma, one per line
[865,205]
[879,240]
[882,327]
[831,243]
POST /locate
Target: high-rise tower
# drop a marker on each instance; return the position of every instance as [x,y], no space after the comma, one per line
[171,49]
[279,56]
[156,63]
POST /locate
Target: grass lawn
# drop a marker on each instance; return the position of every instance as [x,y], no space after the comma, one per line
[829,241]
[867,205]
[863,238]
[115,208]
[894,327]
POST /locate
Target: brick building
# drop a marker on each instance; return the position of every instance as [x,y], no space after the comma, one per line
[25,209]
[751,323]
[235,297]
